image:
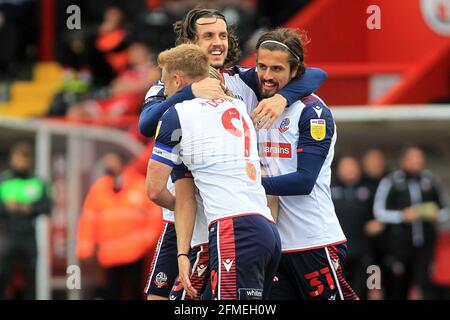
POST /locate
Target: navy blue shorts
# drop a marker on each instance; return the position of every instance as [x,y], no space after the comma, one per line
[316,274]
[164,267]
[244,253]
[199,257]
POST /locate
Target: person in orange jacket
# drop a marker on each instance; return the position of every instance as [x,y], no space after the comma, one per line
[120,227]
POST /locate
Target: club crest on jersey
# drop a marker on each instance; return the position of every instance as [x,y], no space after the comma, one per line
[161,280]
[250,170]
[284,126]
[318,129]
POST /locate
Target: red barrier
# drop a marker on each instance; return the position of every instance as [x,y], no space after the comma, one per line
[408,44]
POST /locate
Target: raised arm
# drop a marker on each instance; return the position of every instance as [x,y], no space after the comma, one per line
[270,109]
[156,104]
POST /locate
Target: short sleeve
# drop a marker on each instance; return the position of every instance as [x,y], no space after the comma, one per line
[167,139]
[180,172]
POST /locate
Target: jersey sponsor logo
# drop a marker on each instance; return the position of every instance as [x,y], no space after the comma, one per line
[161,280]
[284,126]
[250,293]
[318,110]
[172,297]
[276,150]
[436,14]
[201,270]
[318,129]
[227,264]
[335,264]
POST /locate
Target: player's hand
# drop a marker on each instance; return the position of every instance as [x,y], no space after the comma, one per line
[410,215]
[25,209]
[184,270]
[268,110]
[373,227]
[263,171]
[208,88]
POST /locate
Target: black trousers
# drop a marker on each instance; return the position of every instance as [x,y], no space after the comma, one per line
[403,270]
[125,281]
[18,250]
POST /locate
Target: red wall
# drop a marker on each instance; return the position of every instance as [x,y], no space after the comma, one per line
[342,44]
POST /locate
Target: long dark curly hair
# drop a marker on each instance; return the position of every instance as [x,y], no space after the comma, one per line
[186,30]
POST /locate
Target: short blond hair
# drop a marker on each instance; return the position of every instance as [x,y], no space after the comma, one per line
[186,58]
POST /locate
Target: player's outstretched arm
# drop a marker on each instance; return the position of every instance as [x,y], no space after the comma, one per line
[155,106]
[270,109]
[307,84]
[185,211]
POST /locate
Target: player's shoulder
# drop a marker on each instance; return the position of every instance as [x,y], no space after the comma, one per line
[195,103]
[314,107]
[156,90]
[191,103]
[169,115]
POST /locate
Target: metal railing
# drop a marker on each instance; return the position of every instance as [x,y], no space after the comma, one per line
[75,137]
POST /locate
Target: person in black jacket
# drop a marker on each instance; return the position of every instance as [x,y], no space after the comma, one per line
[23,196]
[351,198]
[409,201]
[375,168]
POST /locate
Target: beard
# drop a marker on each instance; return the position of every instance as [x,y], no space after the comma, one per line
[271,93]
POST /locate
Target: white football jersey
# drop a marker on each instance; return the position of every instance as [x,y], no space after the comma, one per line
[218,145]
[239,88]
[167,214]
[304,221]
